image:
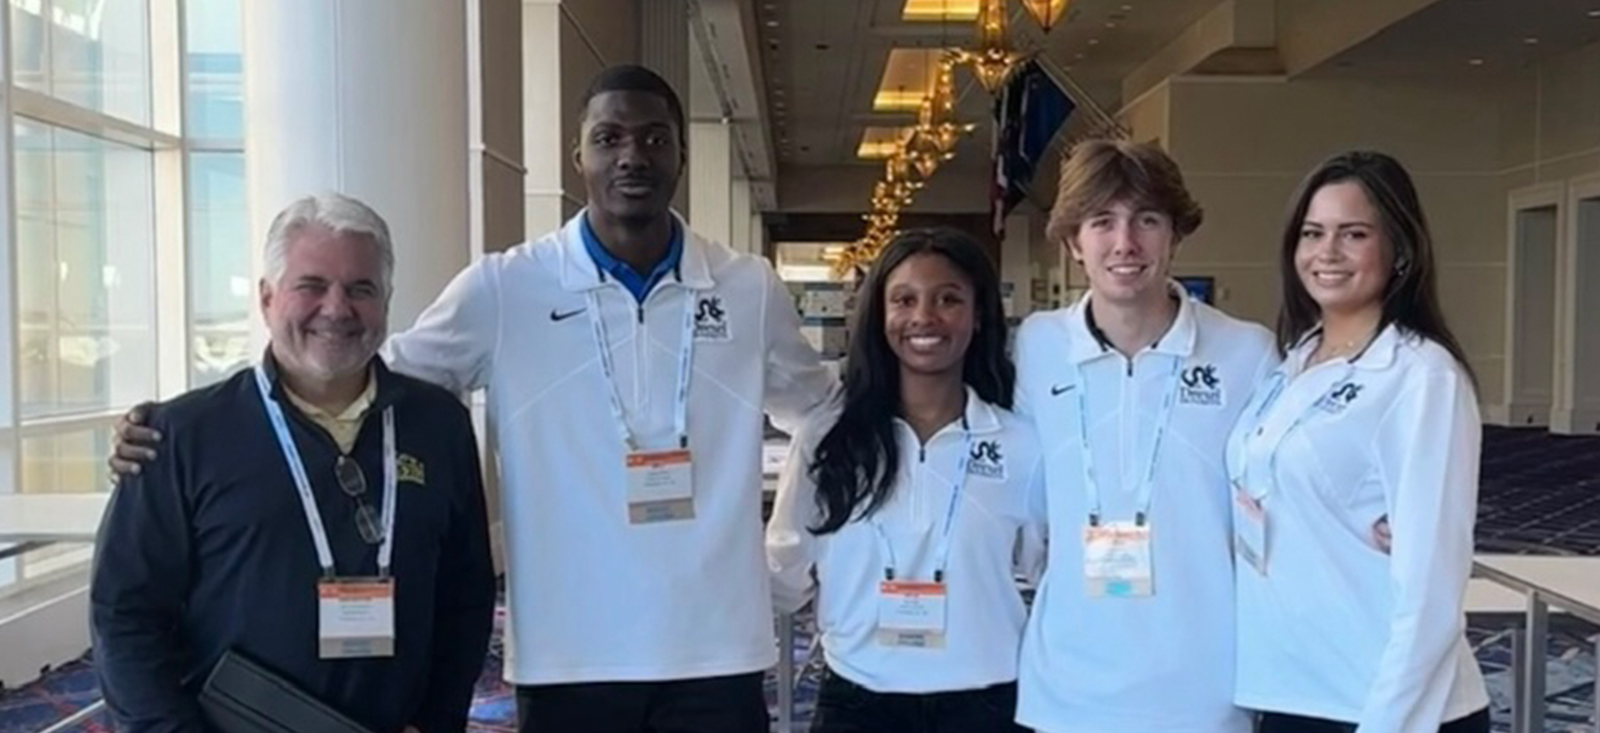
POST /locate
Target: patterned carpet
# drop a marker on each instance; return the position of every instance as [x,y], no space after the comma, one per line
[1540,495]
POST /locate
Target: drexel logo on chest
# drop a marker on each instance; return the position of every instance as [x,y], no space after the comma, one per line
[711,319]
[987,460]
[1200,385]
[1339,398]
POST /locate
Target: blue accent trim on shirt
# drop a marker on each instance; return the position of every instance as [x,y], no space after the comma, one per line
[630,278]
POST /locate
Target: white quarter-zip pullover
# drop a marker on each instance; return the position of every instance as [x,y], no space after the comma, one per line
[999,498]
[1158,664]
[1336,628]
[592,597]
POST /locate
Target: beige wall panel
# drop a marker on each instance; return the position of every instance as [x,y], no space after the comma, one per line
[501,33]
[1243,216]
[1254,126]
[1147,116]
[1570,104]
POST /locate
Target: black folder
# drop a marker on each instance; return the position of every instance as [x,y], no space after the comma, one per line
[241,696]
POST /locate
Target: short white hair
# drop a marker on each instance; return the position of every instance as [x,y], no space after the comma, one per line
[337,213]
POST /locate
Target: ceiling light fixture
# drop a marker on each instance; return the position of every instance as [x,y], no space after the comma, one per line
[1594,13]
[1475,62]
[1046,12]
[1531,41]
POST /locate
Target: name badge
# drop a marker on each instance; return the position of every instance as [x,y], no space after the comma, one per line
[659,488]
[1116,560]
[911,614]
[355,618]
[1249,530]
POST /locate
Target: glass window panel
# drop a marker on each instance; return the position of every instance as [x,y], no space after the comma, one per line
[67,463]
[221,292]
[215,61]
[100,55]
[85,284]
[28,44]
[63,463]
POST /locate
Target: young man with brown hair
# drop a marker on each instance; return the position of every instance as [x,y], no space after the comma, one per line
[1133,391]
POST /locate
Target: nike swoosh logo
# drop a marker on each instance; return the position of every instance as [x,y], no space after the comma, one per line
[558,316]
[1059,390]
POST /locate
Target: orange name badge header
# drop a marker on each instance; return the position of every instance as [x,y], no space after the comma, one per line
[911,588]
[1116,534]
[354,591]
[658,459]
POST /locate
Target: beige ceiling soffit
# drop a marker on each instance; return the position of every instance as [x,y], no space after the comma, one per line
[881,142]
[940,10]
[1312,32]
[908,78]
[1240,34]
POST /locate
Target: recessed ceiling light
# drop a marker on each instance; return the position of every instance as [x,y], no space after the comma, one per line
[777,92]
[1594,13]
[772,23]
[1078,57]
[1531,41]
[1094,41]
[1475,62]
[1110,24]
[1127,8]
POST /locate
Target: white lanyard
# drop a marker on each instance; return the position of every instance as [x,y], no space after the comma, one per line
[949,518]
[602,344]
[308,501]
[1147,484]
[1280,382]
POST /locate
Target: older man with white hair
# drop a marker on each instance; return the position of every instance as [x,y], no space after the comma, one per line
[282,532]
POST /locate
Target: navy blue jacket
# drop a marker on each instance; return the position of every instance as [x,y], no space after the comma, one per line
[208,549]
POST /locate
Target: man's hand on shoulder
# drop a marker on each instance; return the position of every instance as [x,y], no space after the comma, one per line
[135,443]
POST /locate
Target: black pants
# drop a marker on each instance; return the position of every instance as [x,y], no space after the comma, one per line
[1280,723]
[734,704]
[846,707]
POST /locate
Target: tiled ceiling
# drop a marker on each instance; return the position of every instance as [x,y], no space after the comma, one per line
[826,60]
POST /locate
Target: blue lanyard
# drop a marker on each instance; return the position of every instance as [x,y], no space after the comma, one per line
[949,517]
[1148,481]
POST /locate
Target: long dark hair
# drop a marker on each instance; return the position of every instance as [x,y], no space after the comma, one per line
[855,462]
[1411,297]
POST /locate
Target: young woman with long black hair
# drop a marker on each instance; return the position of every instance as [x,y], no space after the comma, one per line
[904,503]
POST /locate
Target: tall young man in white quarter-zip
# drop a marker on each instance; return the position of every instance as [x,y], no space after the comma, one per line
[1133,391]
[628,364]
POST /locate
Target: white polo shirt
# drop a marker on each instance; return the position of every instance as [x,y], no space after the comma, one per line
[985,612]
[593,597]
[1162,663]
[1336,628]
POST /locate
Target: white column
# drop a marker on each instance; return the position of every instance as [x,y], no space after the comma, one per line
[739,219]
[711,181]
[548,155]
[1016,253]
[367,99]
[758,232]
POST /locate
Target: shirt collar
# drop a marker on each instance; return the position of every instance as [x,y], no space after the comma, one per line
[384,387]
[580,270]
[1377,355]
[615,267]
[979,417]
[1090,342]
[352,413]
